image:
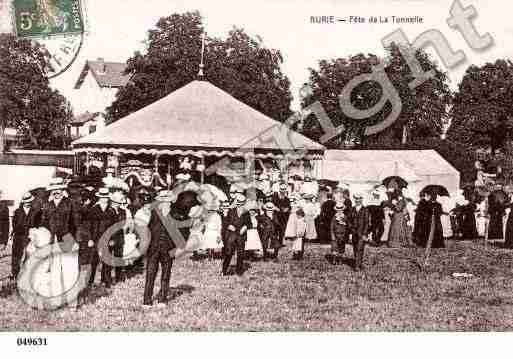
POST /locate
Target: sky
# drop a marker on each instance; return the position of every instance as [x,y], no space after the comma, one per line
[116,28]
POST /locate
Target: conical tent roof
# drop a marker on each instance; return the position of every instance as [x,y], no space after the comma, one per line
[197,117]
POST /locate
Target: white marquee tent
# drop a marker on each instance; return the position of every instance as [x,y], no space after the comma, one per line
[368,167]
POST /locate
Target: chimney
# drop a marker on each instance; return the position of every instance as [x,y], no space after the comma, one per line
[103,67]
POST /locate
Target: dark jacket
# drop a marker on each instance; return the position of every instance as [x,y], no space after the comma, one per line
[4,223]
[360,221]
[22,223]
[62,219]
[161,238]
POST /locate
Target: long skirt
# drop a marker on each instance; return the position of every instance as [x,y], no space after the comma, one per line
[446,225]
[210,239]
[495,228]
[253,242]
[297,245]
[400,234]
[311,232]
[481,225]
[52,281]
[386,229]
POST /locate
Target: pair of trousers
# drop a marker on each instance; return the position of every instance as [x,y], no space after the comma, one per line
[164,259]
[228,252]
[358,250]
[338,244]
[117,251]
[18,247]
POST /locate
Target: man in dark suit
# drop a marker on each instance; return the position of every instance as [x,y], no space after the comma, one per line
[4,223]
[96,221]
[360,222]
[25,218]
[282,204]
[60,216]
[161,247]
[234,241]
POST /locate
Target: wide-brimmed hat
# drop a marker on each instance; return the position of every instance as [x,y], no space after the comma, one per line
[165,196]
[27,198]
[308,195]
[339,206]
[225,205]
[118,197]
[357,195]
[269,206]
[240,199]
[103,193]
[183,176]
[56,184]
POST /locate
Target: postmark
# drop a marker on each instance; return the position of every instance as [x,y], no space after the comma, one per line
[59,25]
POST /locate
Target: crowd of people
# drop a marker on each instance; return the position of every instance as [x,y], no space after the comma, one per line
[248,223]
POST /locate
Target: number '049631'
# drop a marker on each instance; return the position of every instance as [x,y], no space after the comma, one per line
[31,341]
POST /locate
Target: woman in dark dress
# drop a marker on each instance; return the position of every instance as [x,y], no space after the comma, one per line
[426,208]
[496,211]
[468,225]
[508,243]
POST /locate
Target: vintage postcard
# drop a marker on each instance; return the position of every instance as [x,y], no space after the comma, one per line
[255,166]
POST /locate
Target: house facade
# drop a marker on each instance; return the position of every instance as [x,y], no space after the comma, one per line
[98,83]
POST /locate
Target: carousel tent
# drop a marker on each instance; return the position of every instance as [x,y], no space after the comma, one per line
[368,167]
[198,119]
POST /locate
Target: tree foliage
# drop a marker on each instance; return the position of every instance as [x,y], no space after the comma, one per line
[424,109]
[27,102]
[240,65]
[482,114]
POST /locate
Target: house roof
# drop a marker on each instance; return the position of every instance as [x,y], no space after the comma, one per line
[106,74]
[198,116]
[83,118]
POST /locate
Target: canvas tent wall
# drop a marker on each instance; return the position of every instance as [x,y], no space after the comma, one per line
[419,167]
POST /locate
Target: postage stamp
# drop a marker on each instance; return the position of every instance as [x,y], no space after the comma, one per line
[58,24]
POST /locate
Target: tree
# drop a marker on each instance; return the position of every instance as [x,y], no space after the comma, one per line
[27,102]
[482,112]
[240,65]
[424,109]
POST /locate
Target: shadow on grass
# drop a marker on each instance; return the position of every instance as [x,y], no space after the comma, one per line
[8,289]
[179,290]
[334,260]
[92,295]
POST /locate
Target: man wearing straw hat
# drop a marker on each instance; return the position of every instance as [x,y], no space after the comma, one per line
[59,215]
[25,218]
[359,217]
[97,220]
[159,250]
[234,241]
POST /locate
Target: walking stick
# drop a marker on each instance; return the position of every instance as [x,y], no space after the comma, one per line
[430,239]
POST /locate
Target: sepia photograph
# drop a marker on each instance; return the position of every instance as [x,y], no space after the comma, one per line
[255,166]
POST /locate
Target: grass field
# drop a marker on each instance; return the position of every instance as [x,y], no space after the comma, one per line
[391,294]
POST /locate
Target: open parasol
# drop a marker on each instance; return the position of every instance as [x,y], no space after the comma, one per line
[395,182]
[434,189]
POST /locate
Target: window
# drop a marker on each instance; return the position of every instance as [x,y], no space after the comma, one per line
[92,128]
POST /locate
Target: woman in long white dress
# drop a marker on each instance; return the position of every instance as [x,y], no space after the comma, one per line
[50,277]
[312,210]
[212,237]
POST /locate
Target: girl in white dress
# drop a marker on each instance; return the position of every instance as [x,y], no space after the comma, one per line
[299,236]
[212,237]
[253,242]
[387,222]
